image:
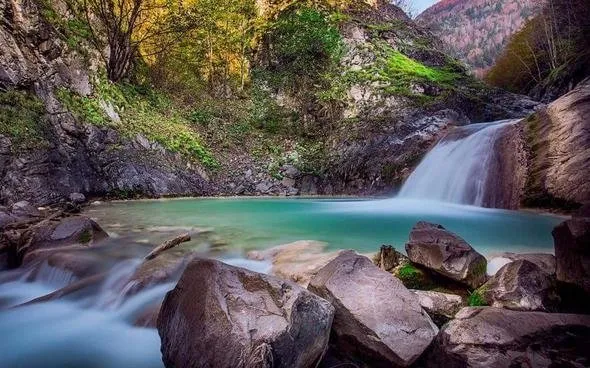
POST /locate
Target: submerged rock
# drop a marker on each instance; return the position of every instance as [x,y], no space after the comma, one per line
[441,307]
[440,250]
[69,231]
[521,285]
[378,321]
[298,261]
[572,252]
[224,316]
[496,337]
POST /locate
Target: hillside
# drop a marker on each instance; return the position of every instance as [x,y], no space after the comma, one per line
[335,100]
[550,55]
[476,31]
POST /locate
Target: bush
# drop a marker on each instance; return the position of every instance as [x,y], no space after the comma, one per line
[302,44]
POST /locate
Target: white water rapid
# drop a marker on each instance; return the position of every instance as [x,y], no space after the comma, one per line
[456,169]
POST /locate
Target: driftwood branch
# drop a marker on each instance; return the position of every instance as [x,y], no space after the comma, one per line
[168,244]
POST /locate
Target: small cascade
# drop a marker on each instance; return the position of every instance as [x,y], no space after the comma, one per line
[53,276]
[456,170]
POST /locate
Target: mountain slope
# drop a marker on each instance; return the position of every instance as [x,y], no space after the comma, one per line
[476,31]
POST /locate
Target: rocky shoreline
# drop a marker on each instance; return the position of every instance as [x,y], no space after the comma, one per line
[443,303]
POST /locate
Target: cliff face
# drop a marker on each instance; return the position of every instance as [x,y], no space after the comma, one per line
[559,151]
[391,115]
[70,155]
[477,30]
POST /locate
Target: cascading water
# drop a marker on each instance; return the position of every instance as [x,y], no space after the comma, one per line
[456,169]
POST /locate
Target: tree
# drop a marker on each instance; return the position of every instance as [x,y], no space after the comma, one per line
[125,26]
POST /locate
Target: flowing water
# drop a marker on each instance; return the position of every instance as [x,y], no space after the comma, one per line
[97,322]
[456,169]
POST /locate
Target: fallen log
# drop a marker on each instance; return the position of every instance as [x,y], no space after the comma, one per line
[168,244]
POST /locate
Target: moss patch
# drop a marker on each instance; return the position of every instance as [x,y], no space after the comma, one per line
[85,237]
[476,298]
[142,111]
[413,277]
[21,118]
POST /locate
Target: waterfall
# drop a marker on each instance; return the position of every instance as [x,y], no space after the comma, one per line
[456,170]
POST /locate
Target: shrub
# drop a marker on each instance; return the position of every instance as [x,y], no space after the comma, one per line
[303,44]
[413,278]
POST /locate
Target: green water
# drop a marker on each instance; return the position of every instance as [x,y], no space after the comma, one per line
[363,225]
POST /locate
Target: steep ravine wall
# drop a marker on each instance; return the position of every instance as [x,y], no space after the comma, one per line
[73,156]
[558,143]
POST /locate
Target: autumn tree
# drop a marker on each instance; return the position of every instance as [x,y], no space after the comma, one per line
[127,26]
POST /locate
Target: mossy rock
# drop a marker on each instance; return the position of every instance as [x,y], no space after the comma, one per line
[414,278]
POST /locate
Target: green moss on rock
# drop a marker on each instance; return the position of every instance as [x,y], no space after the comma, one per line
[21,118]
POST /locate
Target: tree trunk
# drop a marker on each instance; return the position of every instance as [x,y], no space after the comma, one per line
[121,55]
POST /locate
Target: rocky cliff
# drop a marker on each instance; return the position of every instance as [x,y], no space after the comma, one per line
[559,151]
[477,31]
[69,155]
[400,91]
[544,160]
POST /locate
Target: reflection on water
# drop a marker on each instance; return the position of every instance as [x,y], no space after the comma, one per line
[92,323]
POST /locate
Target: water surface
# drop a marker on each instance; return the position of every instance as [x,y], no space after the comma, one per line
[362,225]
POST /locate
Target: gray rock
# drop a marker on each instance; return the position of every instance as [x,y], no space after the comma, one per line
[223,316]
[263,188]
[77,198]
[378,321]
[572,252]
[496,337]
[521,285]
[290,171]
[440,250]
[24,209]
[441,307]
[77,230]
[5,219]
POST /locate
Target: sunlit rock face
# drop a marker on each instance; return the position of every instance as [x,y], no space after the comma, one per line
[223,316]
[378,322]
[558,146]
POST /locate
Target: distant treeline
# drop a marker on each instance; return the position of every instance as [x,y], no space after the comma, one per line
[550,54]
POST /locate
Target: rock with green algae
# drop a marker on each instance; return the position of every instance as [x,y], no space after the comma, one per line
[445,253]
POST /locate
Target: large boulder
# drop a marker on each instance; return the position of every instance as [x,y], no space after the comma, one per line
[441,307]
[572,252]
[446,253]
[378,321]
[223,316]
[521,285]
[497,337]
